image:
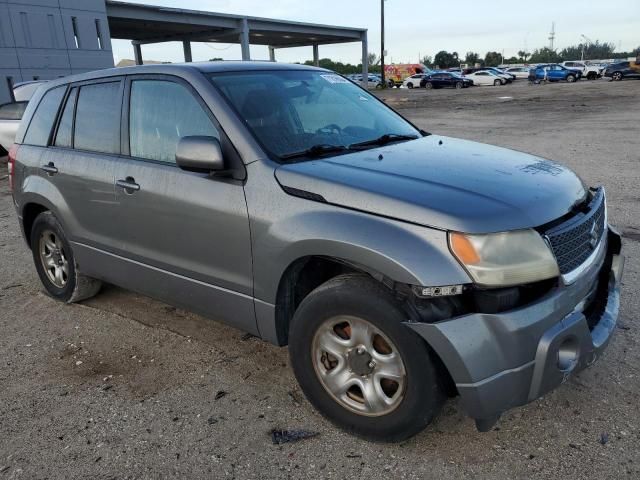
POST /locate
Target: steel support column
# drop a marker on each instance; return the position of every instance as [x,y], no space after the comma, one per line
[244,39]
[316,55]
[365,60]
[272,54]
[186,46]
[137,52]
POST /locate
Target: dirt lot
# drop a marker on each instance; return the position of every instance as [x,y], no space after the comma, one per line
[125,387]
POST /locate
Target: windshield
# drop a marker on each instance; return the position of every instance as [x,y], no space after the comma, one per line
[301,110]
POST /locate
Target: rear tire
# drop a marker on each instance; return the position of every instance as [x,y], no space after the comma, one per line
[352,328]
[428,85]
[617,76]
[55,262]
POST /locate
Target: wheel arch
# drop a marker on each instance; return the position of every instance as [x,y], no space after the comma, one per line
[29,214]
[39,196]
[304,275]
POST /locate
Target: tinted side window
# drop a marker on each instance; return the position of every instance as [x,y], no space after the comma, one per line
[98,118]
[42,120]
[65,128]
[160,114]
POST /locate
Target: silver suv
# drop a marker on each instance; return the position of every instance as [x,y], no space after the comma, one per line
[399,267]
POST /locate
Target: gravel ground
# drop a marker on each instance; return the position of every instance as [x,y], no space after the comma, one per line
[122,386]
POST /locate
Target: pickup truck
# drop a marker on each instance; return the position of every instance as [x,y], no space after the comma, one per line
[590,72]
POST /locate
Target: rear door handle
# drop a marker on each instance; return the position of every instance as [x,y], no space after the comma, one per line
[50,168]
[129,184]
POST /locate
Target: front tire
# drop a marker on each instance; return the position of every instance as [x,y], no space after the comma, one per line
[410,86]
[428,86]
[497,83]
[617,76]
[359,365]
[55,262]
[571,78]
[459,85]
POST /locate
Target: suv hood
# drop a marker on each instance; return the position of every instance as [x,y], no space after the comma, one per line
[444,183]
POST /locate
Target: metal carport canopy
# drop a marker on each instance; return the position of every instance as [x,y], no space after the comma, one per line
[145,24]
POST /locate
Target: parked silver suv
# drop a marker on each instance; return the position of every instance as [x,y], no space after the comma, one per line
[400,267]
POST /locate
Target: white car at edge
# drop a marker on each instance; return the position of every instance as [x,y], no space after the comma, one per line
[11,113]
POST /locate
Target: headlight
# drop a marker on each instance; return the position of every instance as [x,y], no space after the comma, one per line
[504,259]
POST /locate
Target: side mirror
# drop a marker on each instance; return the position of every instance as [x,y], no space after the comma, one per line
[200,154]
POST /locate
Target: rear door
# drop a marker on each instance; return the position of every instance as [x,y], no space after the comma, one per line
[183,237]
[84,150]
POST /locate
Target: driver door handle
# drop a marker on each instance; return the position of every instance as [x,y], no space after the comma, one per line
[49,168]
[129,184]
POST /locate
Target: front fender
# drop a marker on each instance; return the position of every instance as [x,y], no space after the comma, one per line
[403,252]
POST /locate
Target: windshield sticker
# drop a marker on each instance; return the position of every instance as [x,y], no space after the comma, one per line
[332,78]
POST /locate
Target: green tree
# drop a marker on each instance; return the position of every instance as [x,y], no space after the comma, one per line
[216,59]
[427,60]
[544,55]
[523,55]
[471,58]
[373,59]
[492,59]
[592,51]
[445,59]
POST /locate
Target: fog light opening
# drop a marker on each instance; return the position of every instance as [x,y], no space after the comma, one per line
[568,353]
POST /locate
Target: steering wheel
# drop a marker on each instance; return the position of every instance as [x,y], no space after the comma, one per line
[330,129]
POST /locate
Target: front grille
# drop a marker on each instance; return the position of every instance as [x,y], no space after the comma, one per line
[575,240]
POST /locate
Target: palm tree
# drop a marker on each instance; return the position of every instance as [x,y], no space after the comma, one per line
[523,55]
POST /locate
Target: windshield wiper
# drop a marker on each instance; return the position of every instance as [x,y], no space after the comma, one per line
[315,151]
[383,140]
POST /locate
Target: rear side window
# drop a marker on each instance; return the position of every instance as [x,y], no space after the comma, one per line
[44,117]
[160,114]
[65,128]
[98,118]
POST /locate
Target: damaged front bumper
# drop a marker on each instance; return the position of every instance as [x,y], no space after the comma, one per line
[500,361]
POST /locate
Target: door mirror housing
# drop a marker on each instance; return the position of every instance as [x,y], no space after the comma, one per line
[200,154]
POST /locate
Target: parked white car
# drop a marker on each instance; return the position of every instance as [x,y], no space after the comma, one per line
[11,113]
[374,81]
[414,80]
[486,77]
[590,72]
[519,72]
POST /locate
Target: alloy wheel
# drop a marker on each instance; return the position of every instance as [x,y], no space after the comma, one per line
[54,259]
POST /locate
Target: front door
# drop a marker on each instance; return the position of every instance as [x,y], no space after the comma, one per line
[183,237]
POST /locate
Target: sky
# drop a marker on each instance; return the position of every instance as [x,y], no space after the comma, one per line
[420,27]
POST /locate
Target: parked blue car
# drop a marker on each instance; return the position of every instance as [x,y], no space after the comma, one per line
[554,73]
